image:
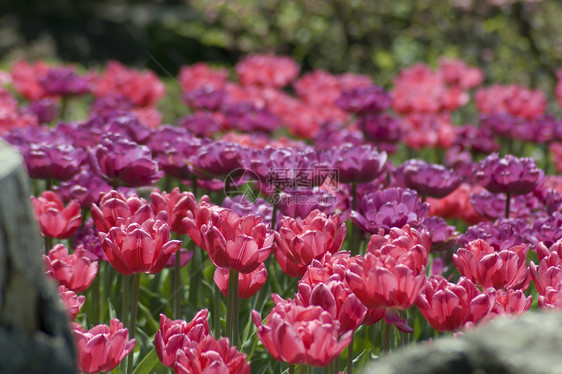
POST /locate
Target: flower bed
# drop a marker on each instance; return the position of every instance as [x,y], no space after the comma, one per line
[288,221]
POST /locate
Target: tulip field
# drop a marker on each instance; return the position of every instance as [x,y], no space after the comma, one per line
[283,221]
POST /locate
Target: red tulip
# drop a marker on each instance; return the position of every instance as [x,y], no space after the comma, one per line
[331,266]
[486,267]
[103,347]
[300,241]
[176,204]
[550,299]
[211,356]
[513,302]
[337,299]
[548,275]
[114,209]
[72,302]
[174,335]
[448,306]
[55,220]
[248,284]
[301,335]
[237,243]
[139,248]
[197,217]
[406,246]
[75,271]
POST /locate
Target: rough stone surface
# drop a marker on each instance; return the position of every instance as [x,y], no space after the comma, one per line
[531,344]
[35,334]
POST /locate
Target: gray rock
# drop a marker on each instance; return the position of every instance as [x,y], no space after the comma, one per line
[531,344]
[35,333]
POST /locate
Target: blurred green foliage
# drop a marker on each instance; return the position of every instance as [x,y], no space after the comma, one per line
[517,42]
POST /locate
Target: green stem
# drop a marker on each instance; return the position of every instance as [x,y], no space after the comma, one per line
[63,114]
[133,326]
[235,312]
[107,285]
[48,244]
[217,313]
[194,273]
[336,365]
[507,202]
[291,369]
[546,155]
[232,283]
[350,355]
[386,339]
[48,184]
[194,187]
[126,297]
[274,214]
[95,318]
[177,286]
[302,369]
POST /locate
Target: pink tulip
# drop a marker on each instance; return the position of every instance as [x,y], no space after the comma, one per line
[139,248]
[486,267]
[300,241]
[513,302]
[197,217]
[72,302]
[406,246]
[448,306]
[211,356]
[103,347]
[75,271]
[55,220]
[248,284]
[176,204]
[115,209]
[301,335]
[337,299]
[175,335]
[237,243]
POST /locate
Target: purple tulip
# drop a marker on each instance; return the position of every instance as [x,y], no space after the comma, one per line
[204,98]
[548,229]
[240,205]
[85,187]
[364,99]
[392,207]
[443,236]
[47,160]
[336,134]
[358,164]
[429,180]
[106,104]
[46,109]
[500,234]
[476,139]
[245,116]
[219,159]
[127,125]
[283,168]
[64,81]
[83,134]
[300,202]
[176,160]
[516,176]
[491,205]
[381,129]
[121,162]
[201,124]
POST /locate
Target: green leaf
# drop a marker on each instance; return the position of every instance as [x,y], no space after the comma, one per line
[148,363]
